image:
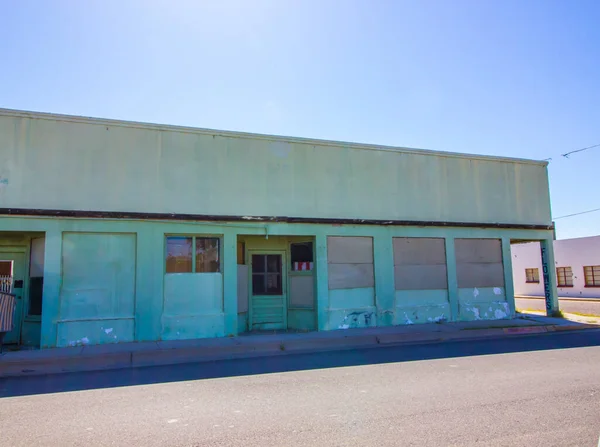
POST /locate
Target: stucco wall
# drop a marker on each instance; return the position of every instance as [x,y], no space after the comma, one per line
[68,163]
[420,280]
[574,253]
[105,278]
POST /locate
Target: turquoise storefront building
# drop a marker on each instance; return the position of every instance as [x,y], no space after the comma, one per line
[115,231]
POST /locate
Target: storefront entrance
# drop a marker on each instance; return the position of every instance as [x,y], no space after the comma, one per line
[268,297]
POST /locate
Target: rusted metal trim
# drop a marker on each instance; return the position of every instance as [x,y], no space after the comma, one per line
[274,219]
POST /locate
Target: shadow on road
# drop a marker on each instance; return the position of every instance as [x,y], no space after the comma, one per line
[56,383]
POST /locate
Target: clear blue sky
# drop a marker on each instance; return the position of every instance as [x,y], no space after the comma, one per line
[511,77]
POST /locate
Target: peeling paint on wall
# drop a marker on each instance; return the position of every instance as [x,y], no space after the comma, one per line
[354,320]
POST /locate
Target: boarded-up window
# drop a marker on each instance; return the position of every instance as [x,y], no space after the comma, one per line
[302,292]
[420,263]
[350,262]
[479,263]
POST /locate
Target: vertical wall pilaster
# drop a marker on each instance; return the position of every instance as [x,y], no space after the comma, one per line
[452,279]
[149,283]
[322,277]
[230,300]
[51,288]
[383,256]
[509,287]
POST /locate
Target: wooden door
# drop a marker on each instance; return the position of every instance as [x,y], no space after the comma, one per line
[268,297]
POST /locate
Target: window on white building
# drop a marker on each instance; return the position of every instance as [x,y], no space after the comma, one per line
[532,275]
[592,275]
[564,276]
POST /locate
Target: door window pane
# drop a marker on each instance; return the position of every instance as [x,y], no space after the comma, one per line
[207,255]
[273,263]
[258,284]
[179,254]
[274,284]
[266,275]
[258,263]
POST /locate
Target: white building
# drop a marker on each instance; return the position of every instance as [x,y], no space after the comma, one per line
[577,263]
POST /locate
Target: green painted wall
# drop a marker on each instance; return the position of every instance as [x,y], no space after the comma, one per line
[118,166]
[86,293]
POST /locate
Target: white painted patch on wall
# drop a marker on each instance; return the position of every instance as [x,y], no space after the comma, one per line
[499,314]
[475,292]
[476,312]
[497,291]
[108,330]
[407,320]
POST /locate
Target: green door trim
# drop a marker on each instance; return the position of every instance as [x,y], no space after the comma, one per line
[284,283]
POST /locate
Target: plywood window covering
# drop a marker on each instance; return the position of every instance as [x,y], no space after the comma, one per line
[564,276]
[592,275]
[532,275]
[205,258]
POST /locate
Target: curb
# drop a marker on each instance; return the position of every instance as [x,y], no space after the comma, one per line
[80,361]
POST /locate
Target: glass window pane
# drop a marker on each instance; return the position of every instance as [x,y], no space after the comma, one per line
[258,263]
[179,254]
[274,263]
[274,284]
[207,255]
[258,284]
[301,256]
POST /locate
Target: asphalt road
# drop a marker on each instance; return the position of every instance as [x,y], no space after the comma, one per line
[591,307]
[541,390]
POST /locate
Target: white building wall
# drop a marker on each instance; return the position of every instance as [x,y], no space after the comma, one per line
[574,253]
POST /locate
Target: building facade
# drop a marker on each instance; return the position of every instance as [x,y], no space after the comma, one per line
[577,266]
[118,231]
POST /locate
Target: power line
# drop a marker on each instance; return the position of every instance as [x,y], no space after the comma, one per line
[580,150]
[566,155]
[577,214]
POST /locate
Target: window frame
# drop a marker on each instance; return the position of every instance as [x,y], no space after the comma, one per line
[264,274]
[595,273]
[535,275]
[219,238]
[563,270]
[290,264]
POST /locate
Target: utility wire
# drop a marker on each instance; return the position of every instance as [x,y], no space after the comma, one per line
[572,152]
[580,150]
[577,214]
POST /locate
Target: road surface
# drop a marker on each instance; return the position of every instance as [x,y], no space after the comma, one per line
[541,390]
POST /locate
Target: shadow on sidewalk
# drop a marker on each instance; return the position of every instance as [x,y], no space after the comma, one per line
[56,383]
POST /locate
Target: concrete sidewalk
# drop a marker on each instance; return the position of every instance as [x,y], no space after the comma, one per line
[133,355]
